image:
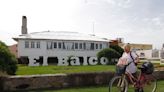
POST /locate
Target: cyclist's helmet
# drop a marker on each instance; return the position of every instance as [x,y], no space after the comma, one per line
[147,67]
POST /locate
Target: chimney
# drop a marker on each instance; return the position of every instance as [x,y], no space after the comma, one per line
[24,25]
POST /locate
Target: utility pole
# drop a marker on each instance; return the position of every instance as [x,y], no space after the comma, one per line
[93,27]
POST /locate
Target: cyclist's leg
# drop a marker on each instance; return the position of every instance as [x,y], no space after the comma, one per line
[135,75]
[134,80]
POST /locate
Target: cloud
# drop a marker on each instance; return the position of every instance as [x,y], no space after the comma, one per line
[137,21]
[120,3]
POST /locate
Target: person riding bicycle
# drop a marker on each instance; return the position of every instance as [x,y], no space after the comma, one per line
[129,57]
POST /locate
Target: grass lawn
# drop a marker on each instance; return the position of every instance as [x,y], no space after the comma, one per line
[160,88]
[53,69]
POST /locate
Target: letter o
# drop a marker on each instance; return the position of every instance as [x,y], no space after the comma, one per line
[104,60]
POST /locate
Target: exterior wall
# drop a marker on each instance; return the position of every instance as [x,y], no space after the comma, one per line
[138,46]
[13,49]
[55,81]
[152,54]
[45,51]
[145,54]
[59,81]
[22,51]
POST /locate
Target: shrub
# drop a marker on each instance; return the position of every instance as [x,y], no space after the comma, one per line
[8,62]
[110,54]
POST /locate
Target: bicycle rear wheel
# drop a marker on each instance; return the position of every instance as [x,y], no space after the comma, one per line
[118,84]
[150,83]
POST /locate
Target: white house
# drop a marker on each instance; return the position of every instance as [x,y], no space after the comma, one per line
[57,47]
[152,54]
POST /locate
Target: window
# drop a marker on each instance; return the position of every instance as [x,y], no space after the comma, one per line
[155,53]
[92,46]
[63,45]
[38,45]
[55,45]
[96,46]
[59,45]
[49,45]
[26,44]
[162,54]
[68,45]
[72,45]
[88,45]
[100,46]
[76,45]
[84,46]
[80,46]
[32,44]
[105,45]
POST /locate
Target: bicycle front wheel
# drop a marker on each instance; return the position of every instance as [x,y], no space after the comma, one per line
[150,83]
[118,84]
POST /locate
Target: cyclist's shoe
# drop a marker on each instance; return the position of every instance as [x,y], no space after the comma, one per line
[140,90]
[136,90]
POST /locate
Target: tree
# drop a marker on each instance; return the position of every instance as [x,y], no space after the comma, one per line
[8,62]
[110,54]
[117,48]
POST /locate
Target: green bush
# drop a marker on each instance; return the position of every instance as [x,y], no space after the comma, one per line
[8,62]
[110,54]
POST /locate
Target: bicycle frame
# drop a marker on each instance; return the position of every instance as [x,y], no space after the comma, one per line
[143,81]
[137,82]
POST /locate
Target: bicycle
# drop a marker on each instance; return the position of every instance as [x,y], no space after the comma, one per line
[145,81]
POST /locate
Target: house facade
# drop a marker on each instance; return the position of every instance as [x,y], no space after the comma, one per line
[58,47]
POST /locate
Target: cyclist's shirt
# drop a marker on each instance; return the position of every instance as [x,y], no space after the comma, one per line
[132,67]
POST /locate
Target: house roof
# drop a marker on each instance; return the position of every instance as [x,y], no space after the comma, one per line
[60,35]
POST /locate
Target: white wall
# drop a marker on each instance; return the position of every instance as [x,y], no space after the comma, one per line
[147,53]
[43,51]
[151,54]
[22,51]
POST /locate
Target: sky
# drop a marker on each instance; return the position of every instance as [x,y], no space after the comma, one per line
[136,21]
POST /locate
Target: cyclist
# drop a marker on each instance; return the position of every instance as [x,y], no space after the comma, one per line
[131,58]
